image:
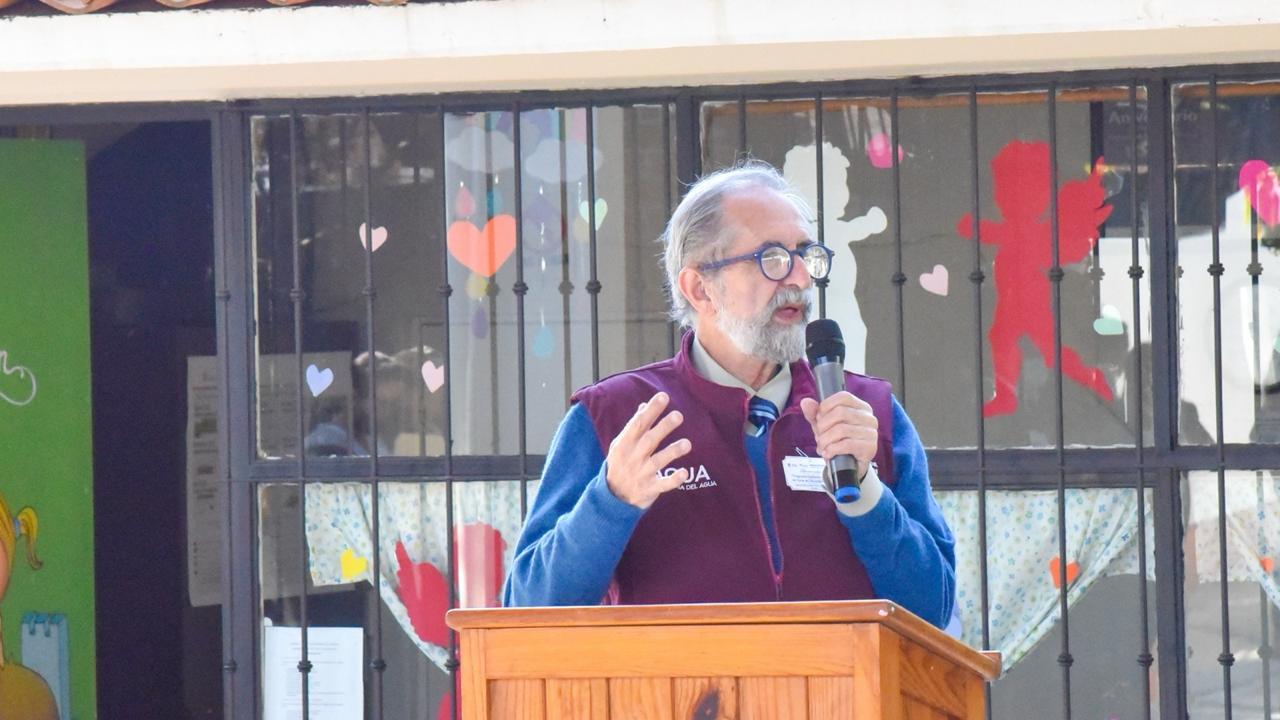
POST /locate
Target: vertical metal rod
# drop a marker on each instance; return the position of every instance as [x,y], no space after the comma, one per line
[566,283]
[977,277]
[1255,273]
[673,329]
[899,277]
[742,127]
[1264,612]
[593,286]
[1226,659]
[1055,277]
[491,289]
[1135,274]
[378,665]
[296,295]
[445,291]
[820,199]
[520,289]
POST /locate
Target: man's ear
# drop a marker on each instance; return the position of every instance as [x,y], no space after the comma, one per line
[693,286]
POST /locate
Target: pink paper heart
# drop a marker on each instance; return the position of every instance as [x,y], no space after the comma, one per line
[935,281]
[379,237]
[879,152]
[1262,189]
[432,375]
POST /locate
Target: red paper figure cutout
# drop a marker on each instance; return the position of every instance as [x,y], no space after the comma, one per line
[478,549]
[1020,174]
[425,596]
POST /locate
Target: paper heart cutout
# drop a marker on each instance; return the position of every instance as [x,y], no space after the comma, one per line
[318,380]
[353,566]
[464,205]
[544,343]
[1268,564]
[936,281]
[1110,323]
[878,151]
[425,595]
[1055,571]
[602,209]
[379,237]
[478,550]
[477,285]
[432,375]
[483,251]
[1262,190]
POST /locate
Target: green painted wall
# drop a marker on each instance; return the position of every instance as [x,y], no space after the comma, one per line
[46,450]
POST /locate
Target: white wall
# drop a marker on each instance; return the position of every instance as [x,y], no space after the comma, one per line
[507,44]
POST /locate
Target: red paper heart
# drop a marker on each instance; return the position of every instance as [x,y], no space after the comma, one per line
[1055,571]
[425,596]
[1262,188]
[1268,564]
[483,251]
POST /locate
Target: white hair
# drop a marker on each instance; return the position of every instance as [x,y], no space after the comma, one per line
[696,232]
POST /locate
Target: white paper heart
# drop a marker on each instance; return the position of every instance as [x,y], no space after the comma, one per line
[936,281]
[318,380]
[433,375]
[379,237]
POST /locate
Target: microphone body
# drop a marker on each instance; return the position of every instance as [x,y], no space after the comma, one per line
[824,346]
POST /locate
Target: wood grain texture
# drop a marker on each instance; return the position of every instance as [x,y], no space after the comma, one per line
[705,698]
[915,710]
[831,697]
[836,612]
[474,682]
[934,681]
[672,651]
[640,699]
[517,700]
[773,698]
[578,699]
[975,699]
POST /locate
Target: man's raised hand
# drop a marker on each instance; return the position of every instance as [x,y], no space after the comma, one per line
[635,462]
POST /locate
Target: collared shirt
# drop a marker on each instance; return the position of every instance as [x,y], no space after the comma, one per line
[776,390]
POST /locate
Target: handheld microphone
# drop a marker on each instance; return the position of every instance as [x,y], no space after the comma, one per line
[824,345]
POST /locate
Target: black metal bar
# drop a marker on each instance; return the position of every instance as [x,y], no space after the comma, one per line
[566,282]
[1055,278]
[977,277]
[688,141]
[899,277]
[492,291]
[377,665]
[296,296]
[446,291]
[1226,659]
[520,289]
[1135,274]
[593,285]
[1255,273]
[820,199]
[742,126]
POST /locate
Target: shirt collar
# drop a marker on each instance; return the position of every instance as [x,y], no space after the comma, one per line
[776,390]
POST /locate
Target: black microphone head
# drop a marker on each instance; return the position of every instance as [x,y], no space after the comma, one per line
[822,339]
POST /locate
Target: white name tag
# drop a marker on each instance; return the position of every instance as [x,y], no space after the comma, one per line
[804,473]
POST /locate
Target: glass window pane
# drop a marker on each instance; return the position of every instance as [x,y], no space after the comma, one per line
[1239,194]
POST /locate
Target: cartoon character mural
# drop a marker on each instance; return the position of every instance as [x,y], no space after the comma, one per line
[1024,256]
[22,691]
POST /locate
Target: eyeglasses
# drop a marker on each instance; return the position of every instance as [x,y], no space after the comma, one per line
[776,260]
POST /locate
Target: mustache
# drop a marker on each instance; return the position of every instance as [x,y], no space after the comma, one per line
[790,296]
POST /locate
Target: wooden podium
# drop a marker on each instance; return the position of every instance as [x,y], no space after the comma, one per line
[850,659]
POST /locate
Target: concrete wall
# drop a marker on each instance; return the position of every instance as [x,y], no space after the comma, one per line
[511,44]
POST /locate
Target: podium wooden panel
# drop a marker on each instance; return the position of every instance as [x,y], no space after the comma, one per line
[856,659]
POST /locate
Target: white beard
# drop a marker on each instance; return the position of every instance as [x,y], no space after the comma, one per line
[760,337]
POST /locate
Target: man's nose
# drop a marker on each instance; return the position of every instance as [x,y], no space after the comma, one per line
[799,275]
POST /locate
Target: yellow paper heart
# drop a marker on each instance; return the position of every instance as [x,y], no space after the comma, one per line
[353,566]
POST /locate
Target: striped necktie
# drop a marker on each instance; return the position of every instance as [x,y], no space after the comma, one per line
[762,414]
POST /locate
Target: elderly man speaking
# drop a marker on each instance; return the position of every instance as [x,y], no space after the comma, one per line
[679,482]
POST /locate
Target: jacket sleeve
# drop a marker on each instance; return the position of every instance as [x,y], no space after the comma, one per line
[576,529]
[903,539]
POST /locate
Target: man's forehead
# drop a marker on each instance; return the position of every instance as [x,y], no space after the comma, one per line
[759,215]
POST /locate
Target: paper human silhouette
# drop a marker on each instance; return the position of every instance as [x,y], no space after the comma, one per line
[1024,256]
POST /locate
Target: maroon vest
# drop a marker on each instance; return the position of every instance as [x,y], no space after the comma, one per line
[706,541]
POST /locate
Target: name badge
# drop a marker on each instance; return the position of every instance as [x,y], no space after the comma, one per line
[805,473]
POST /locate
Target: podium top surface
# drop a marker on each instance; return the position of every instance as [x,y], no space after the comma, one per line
[882,612]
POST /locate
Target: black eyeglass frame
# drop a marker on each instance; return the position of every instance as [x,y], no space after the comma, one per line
[801,252]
